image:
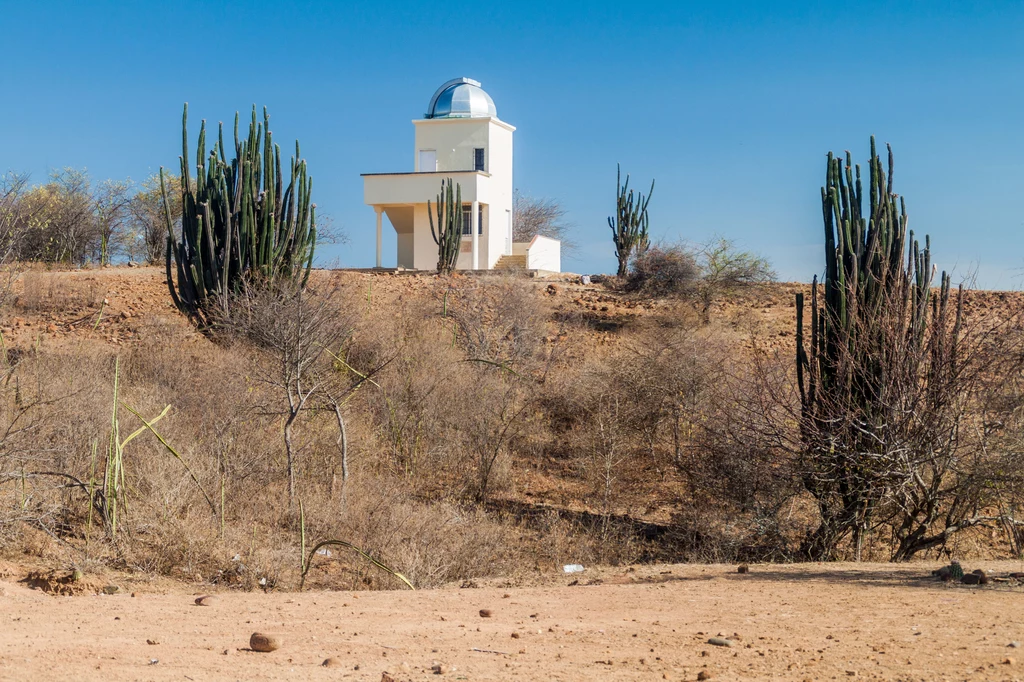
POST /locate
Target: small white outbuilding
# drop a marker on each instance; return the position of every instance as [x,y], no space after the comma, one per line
[460,137]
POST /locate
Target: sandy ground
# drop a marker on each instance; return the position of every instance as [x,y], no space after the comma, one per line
[805,622]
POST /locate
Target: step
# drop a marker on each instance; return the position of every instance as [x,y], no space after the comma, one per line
[510,263]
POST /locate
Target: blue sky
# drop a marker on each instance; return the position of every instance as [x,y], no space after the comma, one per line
[731,106]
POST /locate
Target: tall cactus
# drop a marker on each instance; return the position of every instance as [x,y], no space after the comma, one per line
[238,220]
[630,222]
[448,235]
[870,343]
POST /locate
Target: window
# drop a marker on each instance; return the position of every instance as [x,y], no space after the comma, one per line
[428,160]
[478,159]
[467,214]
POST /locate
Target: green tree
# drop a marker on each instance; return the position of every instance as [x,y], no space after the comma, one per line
[725,269]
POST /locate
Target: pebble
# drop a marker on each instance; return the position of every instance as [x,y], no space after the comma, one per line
[703,675]
[720,641]
[439,669]
[1013,645]
[1008,661]
[264,643]
[485,613]
[332,662]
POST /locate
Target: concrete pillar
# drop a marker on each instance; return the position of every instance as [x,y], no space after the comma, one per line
[380,236]
[474,221]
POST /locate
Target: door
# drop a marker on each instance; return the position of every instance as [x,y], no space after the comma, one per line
[428,160]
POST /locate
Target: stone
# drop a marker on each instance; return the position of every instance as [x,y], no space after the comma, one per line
[1008,661]
[439,669]
[485,613]
[703,675]
[720,641]
[332,662]
[1014,645]
[264,643]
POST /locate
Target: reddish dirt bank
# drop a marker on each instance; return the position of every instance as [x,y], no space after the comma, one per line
[804,622]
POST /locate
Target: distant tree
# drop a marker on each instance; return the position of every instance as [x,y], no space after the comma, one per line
[145,237]
[112,208]
[12,188]
[57,221]
[723,269]
[532,216]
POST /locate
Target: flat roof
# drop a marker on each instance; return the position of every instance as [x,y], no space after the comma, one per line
[486,175]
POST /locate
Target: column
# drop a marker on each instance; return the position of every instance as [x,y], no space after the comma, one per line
[380,238]
[474,221]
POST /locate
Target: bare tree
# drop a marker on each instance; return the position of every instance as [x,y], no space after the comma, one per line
[495,404]
[545,217]
[12,188]
[145,238]
[112,201]
[296,333]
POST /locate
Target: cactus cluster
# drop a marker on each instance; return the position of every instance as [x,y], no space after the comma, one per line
[630,222]
[238,221]
[448,235]
[868,341]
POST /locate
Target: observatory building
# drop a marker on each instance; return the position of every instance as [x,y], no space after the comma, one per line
[460,137]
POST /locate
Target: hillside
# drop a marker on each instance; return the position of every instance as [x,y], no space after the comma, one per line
[564,482]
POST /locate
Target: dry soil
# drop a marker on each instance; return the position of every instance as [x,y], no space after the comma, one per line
[800,622]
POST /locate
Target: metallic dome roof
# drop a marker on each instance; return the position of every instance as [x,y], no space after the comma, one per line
[461,98]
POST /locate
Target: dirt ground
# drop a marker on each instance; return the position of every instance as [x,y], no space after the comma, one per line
[796,622]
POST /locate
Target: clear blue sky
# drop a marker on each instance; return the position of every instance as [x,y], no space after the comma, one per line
[731,106]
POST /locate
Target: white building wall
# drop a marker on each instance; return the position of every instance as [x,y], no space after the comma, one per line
[499,191]
[424,248]
[544,253]
[454,140]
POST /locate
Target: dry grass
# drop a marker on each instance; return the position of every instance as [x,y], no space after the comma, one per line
[509,428]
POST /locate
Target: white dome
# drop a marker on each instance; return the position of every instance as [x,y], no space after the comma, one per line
[461,98]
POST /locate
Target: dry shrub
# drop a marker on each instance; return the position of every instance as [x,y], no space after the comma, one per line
[663,269]
[498,317]
[409,401]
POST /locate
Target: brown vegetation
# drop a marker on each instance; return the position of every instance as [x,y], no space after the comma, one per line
[454,428]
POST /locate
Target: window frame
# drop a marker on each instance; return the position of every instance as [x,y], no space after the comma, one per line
[467,214]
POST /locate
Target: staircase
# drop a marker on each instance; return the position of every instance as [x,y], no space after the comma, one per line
[511,263]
